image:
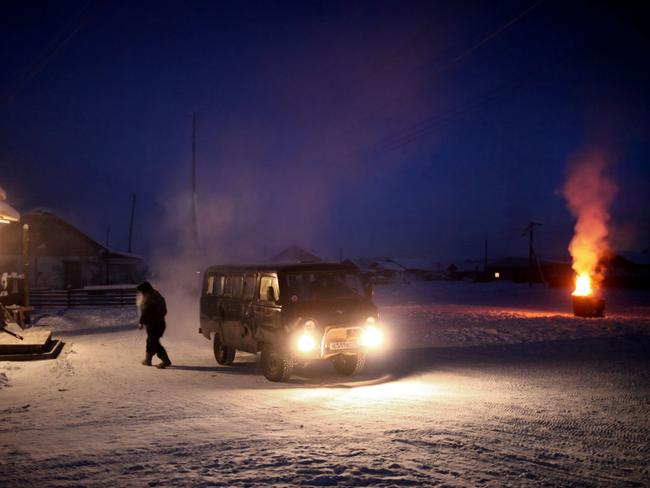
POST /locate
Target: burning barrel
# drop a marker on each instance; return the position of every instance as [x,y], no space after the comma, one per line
[585,304]
[588,306]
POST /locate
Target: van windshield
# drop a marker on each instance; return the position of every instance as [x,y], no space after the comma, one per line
[321,285]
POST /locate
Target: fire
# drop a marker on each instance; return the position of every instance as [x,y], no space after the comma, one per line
[589,194]
[583,286]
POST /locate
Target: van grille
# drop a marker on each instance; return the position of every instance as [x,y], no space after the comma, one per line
[340,335]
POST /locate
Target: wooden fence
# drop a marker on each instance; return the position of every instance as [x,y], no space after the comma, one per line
[109,297]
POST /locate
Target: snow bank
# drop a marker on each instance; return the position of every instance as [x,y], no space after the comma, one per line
[414,326]
[457,314]
[425,314]
[85,319]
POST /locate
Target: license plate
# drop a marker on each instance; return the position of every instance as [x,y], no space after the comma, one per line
[343,345]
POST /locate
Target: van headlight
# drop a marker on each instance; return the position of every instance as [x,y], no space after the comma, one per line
[306,342]
[371,337]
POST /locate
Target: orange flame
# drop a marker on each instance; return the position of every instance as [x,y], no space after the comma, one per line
[583,286]
[589,194]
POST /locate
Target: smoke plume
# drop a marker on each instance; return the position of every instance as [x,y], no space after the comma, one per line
[589,193]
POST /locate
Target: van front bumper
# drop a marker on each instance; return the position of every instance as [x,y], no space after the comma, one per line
[335,340]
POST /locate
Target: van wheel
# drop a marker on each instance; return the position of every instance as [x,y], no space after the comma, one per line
[223,354]
[276,367]
[349,365]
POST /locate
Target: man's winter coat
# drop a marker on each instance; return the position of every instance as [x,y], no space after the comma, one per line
[153,307]
[152,315]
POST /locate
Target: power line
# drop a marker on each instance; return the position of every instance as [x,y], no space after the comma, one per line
[58,42]
[493,34]
[439,121]
[474,47]
[195,224]
[532,255]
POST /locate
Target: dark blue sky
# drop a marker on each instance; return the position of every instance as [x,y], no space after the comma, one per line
[416,129]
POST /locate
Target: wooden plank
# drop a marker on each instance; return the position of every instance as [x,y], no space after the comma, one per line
[34,341]
[52,350]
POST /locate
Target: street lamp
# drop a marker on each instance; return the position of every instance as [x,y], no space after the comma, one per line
[8,214]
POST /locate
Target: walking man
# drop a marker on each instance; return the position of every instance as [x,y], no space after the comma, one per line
[153,309]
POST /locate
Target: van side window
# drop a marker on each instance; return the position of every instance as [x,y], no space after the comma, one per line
[249,286]
[265,283]
[219,285]
[210,289]
[234,286]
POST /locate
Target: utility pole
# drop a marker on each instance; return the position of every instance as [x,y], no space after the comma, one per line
[26,267]
[107,278]
[131,222]
[195,225]
[532,256]
[485,258]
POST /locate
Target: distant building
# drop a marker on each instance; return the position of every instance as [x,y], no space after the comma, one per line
[422,269]
[386,270]
[295,254]
[61,256]
[628,270]
[556,273]
[380,270]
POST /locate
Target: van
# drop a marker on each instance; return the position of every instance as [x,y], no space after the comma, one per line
[292,314]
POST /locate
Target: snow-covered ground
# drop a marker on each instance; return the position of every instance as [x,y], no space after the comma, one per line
[487,385]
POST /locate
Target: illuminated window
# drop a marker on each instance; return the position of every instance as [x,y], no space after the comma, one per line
[267,282]
[210,289]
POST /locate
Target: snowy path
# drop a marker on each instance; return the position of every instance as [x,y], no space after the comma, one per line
[511,412]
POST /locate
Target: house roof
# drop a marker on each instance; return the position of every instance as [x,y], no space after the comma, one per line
[284,267]
[43,225]
[637,257]
[415,264]
[111,254]
[295,254]
[47,213]
[388,265]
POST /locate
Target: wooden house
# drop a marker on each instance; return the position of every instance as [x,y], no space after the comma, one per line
[63,257]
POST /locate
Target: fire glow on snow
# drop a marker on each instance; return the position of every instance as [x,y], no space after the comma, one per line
[589,194]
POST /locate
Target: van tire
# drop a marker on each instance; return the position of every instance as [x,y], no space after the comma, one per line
[276,367]
[224,355]
[349,365]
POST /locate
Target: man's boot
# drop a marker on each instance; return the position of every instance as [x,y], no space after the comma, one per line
[147,360]
[165,360]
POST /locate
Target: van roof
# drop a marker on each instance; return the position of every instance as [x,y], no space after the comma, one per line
[286,268]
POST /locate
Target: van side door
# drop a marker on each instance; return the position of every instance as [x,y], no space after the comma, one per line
[267,313]
[210,297]
[249,297]
[231,310]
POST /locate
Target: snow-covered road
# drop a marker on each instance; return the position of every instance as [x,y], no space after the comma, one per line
[571,410]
